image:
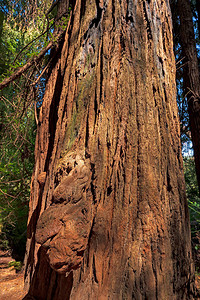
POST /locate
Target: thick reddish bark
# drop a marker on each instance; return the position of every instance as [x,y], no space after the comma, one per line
[108,213]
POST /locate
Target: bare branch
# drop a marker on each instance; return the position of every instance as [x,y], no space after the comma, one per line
[7,194]
[39,36]
[10,181]
[23,69]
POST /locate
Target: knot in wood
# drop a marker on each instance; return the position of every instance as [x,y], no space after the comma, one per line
[63,229]
[73,179]
[41,178]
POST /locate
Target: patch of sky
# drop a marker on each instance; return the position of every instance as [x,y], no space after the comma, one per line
[187,149]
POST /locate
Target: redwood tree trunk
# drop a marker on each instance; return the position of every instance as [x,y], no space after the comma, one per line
[191,76]
[108,213]
[198,14]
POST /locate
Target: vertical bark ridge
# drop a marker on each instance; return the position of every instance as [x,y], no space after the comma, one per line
[117,109]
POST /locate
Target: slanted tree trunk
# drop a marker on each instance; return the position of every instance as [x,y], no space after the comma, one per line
[191,76]
[108,214]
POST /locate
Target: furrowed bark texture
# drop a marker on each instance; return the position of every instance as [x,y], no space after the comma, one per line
[108,214]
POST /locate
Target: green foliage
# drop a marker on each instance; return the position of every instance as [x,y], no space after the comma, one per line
[16,264]
[192,194]
[4,243]
[17,130]
[16,165]
[25,29]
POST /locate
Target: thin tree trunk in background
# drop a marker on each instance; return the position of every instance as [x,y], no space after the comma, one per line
[191,76]
[198,12]
[108,213]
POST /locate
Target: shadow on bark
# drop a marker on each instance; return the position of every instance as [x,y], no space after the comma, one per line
[47,284]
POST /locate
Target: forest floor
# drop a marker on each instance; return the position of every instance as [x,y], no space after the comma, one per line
[11,283]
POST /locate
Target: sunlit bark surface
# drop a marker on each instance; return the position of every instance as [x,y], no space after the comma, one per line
[108,215]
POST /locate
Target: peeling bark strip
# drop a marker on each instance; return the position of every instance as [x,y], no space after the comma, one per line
[119,226]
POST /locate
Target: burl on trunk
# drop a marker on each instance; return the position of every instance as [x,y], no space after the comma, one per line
[108,214]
